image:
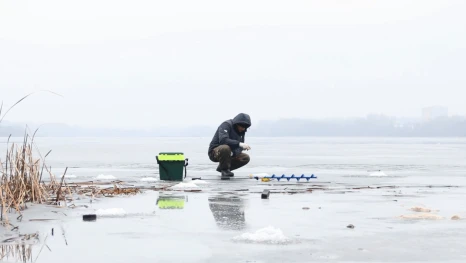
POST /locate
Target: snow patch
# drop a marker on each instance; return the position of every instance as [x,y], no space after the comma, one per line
[105,177]
[183,185]
[378,173]
[149,179]
[70,176]
[267,235]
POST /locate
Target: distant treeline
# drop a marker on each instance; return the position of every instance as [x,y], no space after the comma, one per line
[371,127]
[442,127]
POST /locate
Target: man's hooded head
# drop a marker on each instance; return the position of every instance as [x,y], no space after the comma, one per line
[242,122]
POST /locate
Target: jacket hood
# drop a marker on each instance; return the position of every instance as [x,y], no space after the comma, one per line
[243,119]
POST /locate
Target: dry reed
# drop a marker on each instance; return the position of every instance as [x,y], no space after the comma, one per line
[106,192]
[23,178]
[23,181]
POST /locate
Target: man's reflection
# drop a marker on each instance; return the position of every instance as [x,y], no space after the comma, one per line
[228,212]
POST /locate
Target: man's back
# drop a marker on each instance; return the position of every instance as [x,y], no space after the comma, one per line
[226,134]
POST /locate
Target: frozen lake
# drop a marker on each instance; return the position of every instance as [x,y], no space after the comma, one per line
[227,221]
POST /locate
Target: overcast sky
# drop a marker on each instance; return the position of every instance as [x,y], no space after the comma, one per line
[145,63]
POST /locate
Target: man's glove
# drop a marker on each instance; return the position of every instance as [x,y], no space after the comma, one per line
[244,146]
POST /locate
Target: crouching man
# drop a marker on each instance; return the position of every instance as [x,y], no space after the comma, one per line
[227,145]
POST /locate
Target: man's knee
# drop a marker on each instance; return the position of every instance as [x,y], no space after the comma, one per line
[239,161]
[244,158]
[224,149]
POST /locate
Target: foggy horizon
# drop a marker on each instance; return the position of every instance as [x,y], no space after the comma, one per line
[149,64]
[213,124]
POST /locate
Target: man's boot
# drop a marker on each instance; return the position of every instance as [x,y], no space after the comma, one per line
[227,173]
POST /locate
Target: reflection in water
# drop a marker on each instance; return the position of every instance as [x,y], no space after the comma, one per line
[171,202]
[19,247]
[19,252]
[228,212]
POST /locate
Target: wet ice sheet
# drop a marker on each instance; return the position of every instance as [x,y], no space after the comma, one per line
[336,158]
[205,226]
[236,226]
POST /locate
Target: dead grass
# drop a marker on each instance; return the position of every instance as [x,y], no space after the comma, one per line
[422,216]
[26,178]
[22,180]
[94,190]
[421,209]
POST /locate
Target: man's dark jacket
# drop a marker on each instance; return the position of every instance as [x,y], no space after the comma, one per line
[226,134]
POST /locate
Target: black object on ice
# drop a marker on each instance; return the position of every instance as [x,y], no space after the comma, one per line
[89,217]
[350,226]
[265,194]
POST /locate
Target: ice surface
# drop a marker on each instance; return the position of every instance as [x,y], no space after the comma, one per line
[227,221]
[184,185]
[378,173]
[197,182]
[105,177]
[149,179]
[259,174]
[234,226]
[110,212]
[267,235]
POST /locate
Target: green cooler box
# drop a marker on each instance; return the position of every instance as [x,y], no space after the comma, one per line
[171,166]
